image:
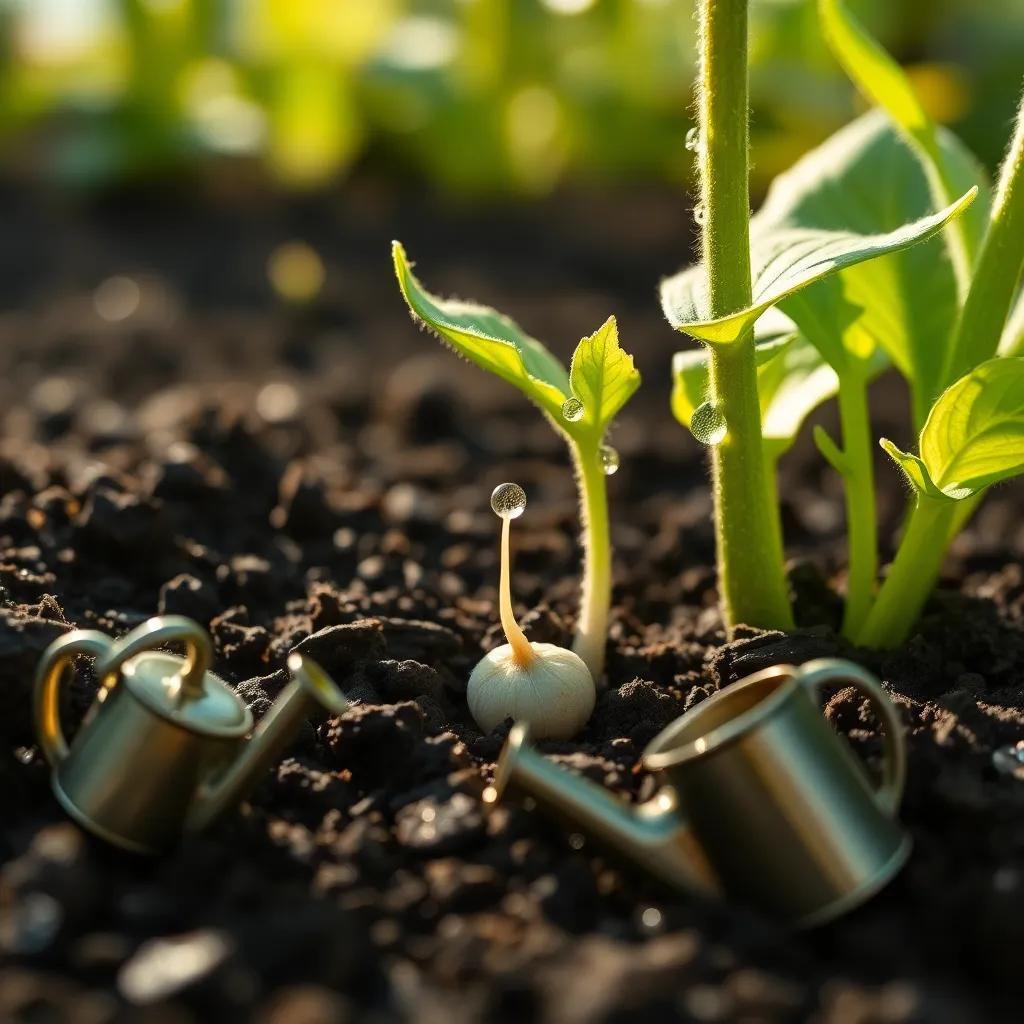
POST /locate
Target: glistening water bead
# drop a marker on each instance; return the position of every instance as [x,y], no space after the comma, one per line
[609,459]
[508,501]
[693,139]
[572,410]
[707,424]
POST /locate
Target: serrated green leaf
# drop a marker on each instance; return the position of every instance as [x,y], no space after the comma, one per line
[602,377]
[783,261]
[488,338]
[974,436]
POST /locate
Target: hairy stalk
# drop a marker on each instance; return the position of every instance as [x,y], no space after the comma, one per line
[596,590]
[912,575]
[859,487]
[998,271]
[751,577]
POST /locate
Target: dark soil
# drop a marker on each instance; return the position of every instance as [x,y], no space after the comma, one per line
[320,478]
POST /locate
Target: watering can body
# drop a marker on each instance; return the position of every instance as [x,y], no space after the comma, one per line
[163,748]
[760,802]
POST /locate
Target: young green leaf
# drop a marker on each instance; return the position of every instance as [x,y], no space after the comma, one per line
[864,178]
[974,435]
[883,81]
[580,404]
[488,338]
[783,261]
[602,378]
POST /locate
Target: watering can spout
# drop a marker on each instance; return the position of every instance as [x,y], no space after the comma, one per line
[653,835]
[310,686]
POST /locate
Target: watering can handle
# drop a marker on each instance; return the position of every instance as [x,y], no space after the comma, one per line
[47,686]
[155,632]
[836,671]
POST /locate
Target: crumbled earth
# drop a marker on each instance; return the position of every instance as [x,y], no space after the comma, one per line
[317,479]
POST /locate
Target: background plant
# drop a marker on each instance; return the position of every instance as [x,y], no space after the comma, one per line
[581,404]
[524,95]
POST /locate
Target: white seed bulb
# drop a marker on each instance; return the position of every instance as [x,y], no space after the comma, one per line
[554,694]
[542,684]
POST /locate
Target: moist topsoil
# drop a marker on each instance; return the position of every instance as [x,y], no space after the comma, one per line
[318,478]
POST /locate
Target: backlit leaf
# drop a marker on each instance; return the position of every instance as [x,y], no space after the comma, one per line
[784,260]
[865,178]
[489,339]
[602,377]
[974,435]
[884,82]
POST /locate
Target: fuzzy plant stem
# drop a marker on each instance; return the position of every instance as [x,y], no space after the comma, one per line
[522,651]
[998,271]
[751,577]
[596,591]
[859,488]
[912,575]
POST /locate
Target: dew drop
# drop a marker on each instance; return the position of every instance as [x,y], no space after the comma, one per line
[693,139]
[609,459]
[708,424]
[1009,760]
[700,213]
[572,410]
[508,501]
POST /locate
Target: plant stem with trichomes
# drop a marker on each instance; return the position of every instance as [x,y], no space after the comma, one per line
[998,270]
[912,575]
[751,577]
[859,487]
[595,592]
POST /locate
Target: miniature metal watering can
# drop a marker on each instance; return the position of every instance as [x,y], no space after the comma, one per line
[162,750]
[760,802]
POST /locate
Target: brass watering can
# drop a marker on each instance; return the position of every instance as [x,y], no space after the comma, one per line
[760,801]
[162,749]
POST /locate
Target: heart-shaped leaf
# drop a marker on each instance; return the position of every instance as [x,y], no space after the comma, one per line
[974,435]
[603,379]
[784,260]
[488,338]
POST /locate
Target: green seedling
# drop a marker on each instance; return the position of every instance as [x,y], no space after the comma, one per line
[543,685]
[580,403]
[846,248]
[743,273]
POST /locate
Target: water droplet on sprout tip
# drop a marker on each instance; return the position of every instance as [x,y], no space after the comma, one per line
[693,139]
[508,501]
[572,410]
[708,424]
[609,459]
[700,213]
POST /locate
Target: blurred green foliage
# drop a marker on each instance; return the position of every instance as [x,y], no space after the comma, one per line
[472,95]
